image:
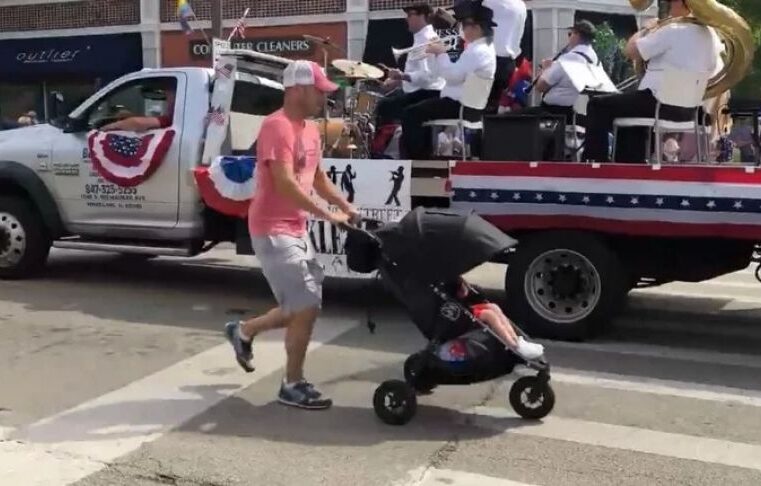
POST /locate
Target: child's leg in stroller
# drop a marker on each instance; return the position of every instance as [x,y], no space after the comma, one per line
[493,319]
[517,343]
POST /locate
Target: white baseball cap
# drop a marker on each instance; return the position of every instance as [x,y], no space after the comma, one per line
[307,73]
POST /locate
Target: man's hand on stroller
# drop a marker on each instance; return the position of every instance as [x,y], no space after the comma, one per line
[339,218]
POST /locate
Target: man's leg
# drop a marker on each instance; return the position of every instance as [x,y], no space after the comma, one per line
[417,146]
[298,333]
[601,112]
[502,75]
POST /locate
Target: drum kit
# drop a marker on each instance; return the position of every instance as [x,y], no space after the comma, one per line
[349,133]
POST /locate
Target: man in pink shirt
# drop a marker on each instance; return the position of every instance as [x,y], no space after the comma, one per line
[288,169]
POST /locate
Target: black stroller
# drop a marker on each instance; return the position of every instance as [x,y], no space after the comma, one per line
[415,258]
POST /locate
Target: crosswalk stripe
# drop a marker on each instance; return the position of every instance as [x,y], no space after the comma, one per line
[697,294]
[448,477]
[71,445]
[745,330]
[635,439]
[656,351]
[660,387]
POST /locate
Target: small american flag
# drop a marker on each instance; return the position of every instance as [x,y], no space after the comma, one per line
[216,116]
[224,71]
[239,30]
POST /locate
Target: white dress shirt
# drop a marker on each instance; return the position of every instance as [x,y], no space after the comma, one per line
[562,91]
[681,46]
[510,17]
[478,57]
[422,73]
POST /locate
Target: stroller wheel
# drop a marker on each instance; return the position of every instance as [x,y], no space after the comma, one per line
[395,402]
[532,398]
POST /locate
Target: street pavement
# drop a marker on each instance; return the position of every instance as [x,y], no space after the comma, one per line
[114,371]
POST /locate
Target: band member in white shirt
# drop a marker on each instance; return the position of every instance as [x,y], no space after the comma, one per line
[510,17]
[559,93]
[419,80]
[478,57]
[684,46]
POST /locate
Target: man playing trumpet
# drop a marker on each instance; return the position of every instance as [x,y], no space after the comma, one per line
[419,80]
[478,57]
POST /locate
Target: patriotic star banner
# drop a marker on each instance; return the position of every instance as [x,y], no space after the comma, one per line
[126,158]
[645,200]
[228,184]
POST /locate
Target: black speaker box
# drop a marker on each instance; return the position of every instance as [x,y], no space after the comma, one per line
[523,137]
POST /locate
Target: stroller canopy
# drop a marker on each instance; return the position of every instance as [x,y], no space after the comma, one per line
[437,245]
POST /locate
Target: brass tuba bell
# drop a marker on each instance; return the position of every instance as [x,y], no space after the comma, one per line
[732,29]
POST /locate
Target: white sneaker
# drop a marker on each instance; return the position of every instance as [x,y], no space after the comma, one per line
[529,351]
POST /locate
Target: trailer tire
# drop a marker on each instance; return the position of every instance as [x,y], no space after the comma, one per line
[564,285]
[24,241]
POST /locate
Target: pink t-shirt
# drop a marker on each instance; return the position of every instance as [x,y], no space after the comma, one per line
[283,141]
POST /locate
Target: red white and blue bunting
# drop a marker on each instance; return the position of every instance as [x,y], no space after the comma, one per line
[128,159]
[228,184]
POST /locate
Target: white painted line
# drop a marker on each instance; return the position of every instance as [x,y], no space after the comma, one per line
[71,445]
[679,446]
[656,292]
[652,386]
[744,329]
[755,284]
[660,352]
[6,432]
[448,477]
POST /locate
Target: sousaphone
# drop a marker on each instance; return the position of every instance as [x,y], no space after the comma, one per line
[733,30]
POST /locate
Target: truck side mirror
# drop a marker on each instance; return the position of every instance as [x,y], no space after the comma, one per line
[55,105]
[75,125]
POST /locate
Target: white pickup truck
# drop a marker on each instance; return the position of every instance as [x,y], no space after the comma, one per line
[51,195]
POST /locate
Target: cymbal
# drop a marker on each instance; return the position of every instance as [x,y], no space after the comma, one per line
[357,69]
[326,41]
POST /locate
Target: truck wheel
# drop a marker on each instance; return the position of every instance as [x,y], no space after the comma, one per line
[24,244]
[564,285]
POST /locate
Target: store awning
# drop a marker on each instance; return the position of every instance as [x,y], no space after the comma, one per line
[104,56]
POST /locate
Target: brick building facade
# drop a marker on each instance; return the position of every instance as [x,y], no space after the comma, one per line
[83,35]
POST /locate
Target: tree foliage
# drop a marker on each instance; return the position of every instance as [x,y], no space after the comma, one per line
[609,48]
[750,10]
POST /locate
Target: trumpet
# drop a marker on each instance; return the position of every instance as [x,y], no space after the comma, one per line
[416,53]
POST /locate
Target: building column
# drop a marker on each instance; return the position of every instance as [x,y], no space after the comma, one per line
[551,25]
[150,23]
[358,12]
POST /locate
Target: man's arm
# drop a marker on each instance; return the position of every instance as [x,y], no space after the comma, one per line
[649,46]
[329,192]
[286,185]
[134,124]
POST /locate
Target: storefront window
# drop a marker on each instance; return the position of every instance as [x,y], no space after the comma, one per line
[17,99]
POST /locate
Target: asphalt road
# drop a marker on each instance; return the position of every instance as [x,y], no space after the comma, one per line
[115,372]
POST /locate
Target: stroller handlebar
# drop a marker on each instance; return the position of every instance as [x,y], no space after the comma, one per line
[354,226]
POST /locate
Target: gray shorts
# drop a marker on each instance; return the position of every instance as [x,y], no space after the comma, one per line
[290,266]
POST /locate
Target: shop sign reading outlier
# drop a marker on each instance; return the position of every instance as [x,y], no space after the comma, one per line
[279,46]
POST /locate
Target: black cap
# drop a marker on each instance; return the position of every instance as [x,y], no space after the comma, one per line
[420,8]
[585,29]
[475,11]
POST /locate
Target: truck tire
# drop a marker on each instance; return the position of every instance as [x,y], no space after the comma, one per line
[24,241]
[564,285]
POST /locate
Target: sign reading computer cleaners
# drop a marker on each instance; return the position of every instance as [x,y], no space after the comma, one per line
[278,46]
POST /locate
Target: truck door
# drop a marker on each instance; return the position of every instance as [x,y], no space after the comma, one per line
[126,196]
